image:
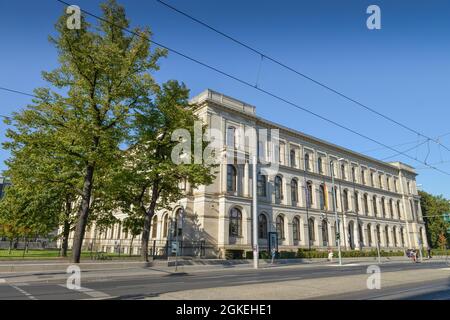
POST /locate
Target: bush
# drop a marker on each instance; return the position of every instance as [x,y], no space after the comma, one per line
[286,255]
[234,254]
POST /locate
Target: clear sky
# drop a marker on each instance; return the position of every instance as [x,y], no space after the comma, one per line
[402,70]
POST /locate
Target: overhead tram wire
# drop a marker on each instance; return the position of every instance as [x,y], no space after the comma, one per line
[321,84]
[247,84]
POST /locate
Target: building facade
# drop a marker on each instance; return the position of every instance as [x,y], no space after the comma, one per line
[377,202]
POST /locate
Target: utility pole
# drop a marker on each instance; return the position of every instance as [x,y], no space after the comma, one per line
[336,230]
[255,212]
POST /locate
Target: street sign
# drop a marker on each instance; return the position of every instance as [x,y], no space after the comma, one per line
[174,247]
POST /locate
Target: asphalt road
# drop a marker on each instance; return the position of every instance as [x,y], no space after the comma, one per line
[138,287]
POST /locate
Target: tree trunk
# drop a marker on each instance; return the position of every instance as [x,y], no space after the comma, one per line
[147,222]
[131,246]
[83,213]
[66,228]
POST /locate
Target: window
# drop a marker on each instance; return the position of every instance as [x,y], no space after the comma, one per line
[388,240]
[402,236]
[378,234]
[235,222]
[391,208]
[360,231]
[380,181]
[343,176]
[356,202]
[369,234]
[231,137]
[178,224]
[366,204]
[311,233]
[408,187]
[353,174]
[296,229]
[372,180]
[262,226]
[388,183]
[335,199]
[293,158]
[345,195]
[278,188]
[231,178]
[375,209]
[383,207]
[395,185]
[309,196]
[280,226]
[281,153]
[363,176]
[399,215]
[307,167]
[165,225]
[395,237]
[154,226]
[261,185]
[319,165]
[322,199]
[294,192]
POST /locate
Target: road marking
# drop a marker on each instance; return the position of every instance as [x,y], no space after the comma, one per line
[91,292]
[29,295]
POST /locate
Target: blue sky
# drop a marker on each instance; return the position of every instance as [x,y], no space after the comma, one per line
[401,70]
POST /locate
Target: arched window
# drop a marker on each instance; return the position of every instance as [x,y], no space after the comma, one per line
[154,226]
[402,237]
[322,198]
[356,201]
[375,209]
[278,188]
[345,195]
[408,187]
[165,225]
[307,166]
[399,214]
[361,237]
[325,232]
[311,233]
[391,208]
[363,176]
[388,240]
[395,237]
[294,192]
[388,183]
[262,226]
[366,204]
[343,176]
[293,158]
[411,205]
[383,207]
[235,222]
[296,228]
[380,181]
[353,174]
[369,234]
[372,180]
[280,226]
[335,207]
[309,195]
[231,137]
[261,185]
[319,165]
[231,178]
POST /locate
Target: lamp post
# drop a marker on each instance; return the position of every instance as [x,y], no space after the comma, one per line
[255,213]
[336,231]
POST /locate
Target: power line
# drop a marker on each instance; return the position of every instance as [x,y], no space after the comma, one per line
[242,82]
[321,84]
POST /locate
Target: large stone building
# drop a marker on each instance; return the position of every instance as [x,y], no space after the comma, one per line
[375,200]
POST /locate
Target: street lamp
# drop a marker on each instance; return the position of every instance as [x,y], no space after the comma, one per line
[336,231]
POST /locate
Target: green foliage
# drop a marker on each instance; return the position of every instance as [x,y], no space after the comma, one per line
[433,207]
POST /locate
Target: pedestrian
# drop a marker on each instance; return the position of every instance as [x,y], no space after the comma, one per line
[429,252]
[274,252]
[330,255]
[414,255]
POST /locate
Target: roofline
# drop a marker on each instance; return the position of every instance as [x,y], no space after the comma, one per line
[250,110]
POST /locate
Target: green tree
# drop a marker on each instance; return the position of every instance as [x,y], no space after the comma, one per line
[149,178]
[433,208]
[104,75]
